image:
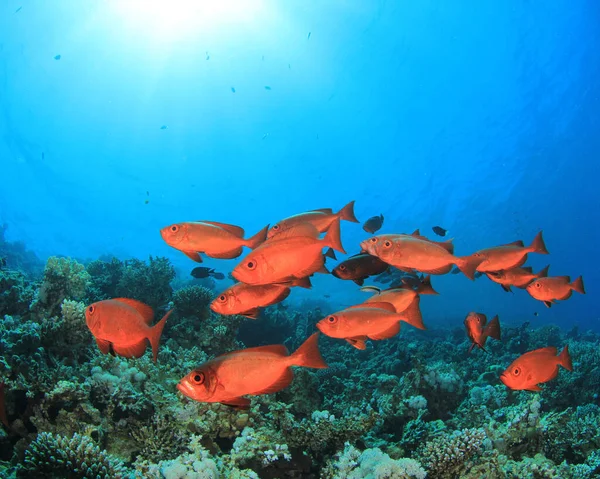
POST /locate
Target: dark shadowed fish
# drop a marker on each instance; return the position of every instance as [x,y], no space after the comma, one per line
[373,224]
[438,230]
[204,272]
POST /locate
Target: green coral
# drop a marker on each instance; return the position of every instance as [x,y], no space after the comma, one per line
[56,456]
[149,282]
[16,293]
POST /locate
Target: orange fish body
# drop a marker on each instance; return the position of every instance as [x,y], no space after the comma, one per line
[249,372]
[215,240]
[447,244]
[553,288]
[409,253]
[509,256]
[357,323]
[123,326]
[535,367]
[518,277]
[359,267]
[478,329]
[292,254]
[246,300]
[321,219]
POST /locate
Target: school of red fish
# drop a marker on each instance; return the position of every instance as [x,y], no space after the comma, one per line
[286,256]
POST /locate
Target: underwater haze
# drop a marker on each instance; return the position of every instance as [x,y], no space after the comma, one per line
[121,119]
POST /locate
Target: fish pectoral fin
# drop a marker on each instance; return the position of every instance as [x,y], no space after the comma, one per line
[359,281]
[358,343]
[103,346]
[193,255]
[506,288]
[132,351]
[548,304]
[234,230]
[317,266]
[388,333]
[232,254]
[280,383]
[251,313]
[535,387]
[238,403]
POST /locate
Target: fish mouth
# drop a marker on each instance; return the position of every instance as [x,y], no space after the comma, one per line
[504,378]
[185,389]
[335,273]
[319,326]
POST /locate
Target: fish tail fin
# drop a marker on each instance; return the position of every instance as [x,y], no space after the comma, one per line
[308,354]
[330,254]
[155,333]
[538,245]
[258,238]
[544,272]
[492,330]
[333,238]
[425,286]
[564,359]
[468,265]
[412,315]
[577,285]
[347,213]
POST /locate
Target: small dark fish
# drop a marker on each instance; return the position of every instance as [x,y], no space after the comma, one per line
[147,193]
[327,296]
[230,276]
[146,202]
[164,127]
[18,10]
[536,314]
[218,275]
[57,57]
[263,58]
[289,66]
[203,272]
[373,224]
[267,87]
[232,90]
[438,230]
[308,38]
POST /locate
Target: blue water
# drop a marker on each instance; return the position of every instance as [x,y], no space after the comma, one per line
[482,117]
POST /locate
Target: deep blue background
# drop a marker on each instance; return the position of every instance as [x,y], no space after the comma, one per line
[483,117]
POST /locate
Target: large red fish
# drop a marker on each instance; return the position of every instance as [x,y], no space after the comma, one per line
[215,240]
[550,289]
[292,254]
[357,323]
[510,255]
[359,267]
[535,367]
[408,253]
[246,300]
[123,326]
[518,277]
[478,331]
[321,219]
[249,372]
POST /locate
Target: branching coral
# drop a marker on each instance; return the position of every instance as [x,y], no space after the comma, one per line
[56,456]
[147,282]
[158,440]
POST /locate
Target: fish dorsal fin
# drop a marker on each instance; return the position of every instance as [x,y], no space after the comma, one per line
[278,349]
[376,305]
[529,269]
[564,278]
[388,333]
[234,230]
[416,232]
[327,211]
[145,310]
[371,289]
[280,383]
[301,229]
[516,243]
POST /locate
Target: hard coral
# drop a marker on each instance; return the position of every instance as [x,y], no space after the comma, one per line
[56,456]
[147,282]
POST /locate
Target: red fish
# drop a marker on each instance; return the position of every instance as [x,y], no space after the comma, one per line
[123,326]
[246,300]
[518,277]
[249,372]
[357,323]
[321,219]
[536,367]
[509,256]
[292,254]
[359,267]
[215,240]
[478,331]
[409,253]
[554,288]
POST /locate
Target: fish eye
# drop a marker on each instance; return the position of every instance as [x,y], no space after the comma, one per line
[342,267]
[517,371]
[276,227]
[198,378]
[222,298]
[538,285]
[251,265]
[91,309]
[373,240]
[174,228]
[331,319]
[387,244]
